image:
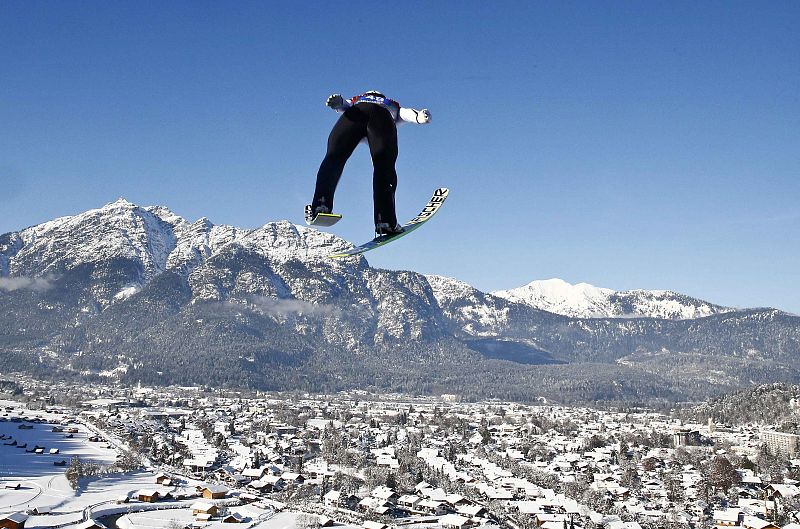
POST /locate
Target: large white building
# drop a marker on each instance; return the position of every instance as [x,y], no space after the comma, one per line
[780,442]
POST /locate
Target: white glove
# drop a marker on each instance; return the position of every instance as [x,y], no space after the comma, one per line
[424,116]
[335,101]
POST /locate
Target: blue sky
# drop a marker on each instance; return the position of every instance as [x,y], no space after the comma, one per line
[624,144]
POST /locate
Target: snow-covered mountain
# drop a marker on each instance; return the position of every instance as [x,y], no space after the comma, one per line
[586,301]
[149,296]
[153,239]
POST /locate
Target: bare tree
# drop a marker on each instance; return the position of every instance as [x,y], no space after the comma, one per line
[721,474]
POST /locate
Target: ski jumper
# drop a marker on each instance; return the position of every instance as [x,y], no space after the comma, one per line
[372,118]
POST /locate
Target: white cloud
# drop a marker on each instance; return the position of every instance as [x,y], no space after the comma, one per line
[37,284]
[287,307]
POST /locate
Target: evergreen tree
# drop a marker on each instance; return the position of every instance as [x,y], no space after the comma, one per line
[74,472]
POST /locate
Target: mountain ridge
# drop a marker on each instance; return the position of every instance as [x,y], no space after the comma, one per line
[583,300]
[141,294]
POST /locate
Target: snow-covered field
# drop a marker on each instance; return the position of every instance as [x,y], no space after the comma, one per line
[29,480]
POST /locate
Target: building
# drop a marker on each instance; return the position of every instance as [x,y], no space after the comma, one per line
[754,522]
[780,443]
[685,437]
[433,507]
[473,511]
[408,501]
[202,507]
[455,521]
[13,521]
[214,492]
[727,517]
[148,495]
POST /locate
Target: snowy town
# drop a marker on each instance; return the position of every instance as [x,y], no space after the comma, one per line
[94,456]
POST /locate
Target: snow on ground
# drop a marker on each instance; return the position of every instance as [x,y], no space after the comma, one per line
[127,292]
[41,483]
[282,520]
[156,519]
[162,519]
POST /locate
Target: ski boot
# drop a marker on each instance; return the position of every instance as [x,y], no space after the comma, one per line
[386,229]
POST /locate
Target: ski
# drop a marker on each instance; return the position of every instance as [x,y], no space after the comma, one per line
[321,219]
[430,209]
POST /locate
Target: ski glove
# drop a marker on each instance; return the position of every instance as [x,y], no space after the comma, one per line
[409,115]
[335,101]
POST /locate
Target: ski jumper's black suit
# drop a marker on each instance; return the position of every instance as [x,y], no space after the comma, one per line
[373,117]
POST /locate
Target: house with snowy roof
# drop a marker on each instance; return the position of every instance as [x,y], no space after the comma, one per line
[163,479]
[204,507]
[387,461]
[198,464]
[294,478]
[254,473]
[13,521]
[754,522]
[727,517]
[384,493]
[408,501]
[457,500]
[274,482]
[374,505]
[235,517]
[455,521]
[338,499]
[260,485]
[529,507]
[551,520]
[754,506]
[148,495]
[437,494]
[434,507]
[777,490]
[472,511]
[492,493]
[213,492]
